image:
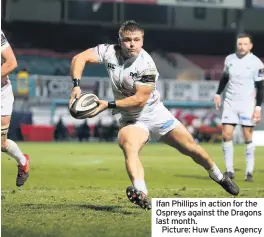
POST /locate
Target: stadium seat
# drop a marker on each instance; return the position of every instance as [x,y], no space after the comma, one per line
[45,65]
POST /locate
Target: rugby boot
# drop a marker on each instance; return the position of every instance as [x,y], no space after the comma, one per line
[249,177]
[229,174]
[228,185]
[23,172]
[137,197]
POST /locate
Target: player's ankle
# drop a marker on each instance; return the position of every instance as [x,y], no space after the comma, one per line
[215,173]
[141,186]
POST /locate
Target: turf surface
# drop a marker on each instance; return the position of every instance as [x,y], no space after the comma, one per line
[78,189]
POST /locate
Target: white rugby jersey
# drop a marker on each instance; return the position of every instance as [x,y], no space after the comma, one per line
[243,73]
[125,74]
[4,42]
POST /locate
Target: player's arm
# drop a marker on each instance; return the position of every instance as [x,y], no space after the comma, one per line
[144,86]
[78,62]
[259,84]
[256,117]
[77,66]
[138,100]
[260,93]
[220,89]
[222,83]
[10,62]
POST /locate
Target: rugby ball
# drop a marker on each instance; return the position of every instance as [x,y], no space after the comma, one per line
[80,107]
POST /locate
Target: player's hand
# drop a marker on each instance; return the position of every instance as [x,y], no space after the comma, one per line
[75,94]
[217,101]
[102,105]
[256,117]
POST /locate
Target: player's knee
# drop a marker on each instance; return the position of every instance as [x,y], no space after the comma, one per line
[248,137]
[227,136]
[248,141]
[128,147]
[191,144]
[4,145]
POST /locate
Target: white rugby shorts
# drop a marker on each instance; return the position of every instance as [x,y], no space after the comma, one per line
[238,113]
[7,100]
[156,124]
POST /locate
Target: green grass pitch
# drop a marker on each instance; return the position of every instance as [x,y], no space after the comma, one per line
[78,189]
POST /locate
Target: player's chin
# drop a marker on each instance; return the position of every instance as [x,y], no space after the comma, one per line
[242,53]
[133,54]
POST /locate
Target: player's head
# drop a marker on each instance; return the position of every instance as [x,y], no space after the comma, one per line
[131,38]
[244,44]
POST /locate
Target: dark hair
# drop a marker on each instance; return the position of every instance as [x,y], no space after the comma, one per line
[245,35]
[130,25]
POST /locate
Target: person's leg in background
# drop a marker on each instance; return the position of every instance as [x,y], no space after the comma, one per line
[228,148]
[8,146]
[245,116]
[249,153]
[11,148]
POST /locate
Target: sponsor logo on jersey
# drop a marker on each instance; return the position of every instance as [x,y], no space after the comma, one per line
[167,124]
[133,75]
[111,66]
[244,118]
[148,78]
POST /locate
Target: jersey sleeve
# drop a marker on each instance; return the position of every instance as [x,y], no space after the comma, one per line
[225,69]
[101,51]
[148,75]
[259,73]
[4,42]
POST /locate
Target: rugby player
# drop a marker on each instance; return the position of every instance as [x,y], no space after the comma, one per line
[244,77]
[8,64]
[133,77]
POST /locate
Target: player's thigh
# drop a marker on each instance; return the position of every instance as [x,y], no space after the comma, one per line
[245,114]
[5,122]
[229,114]
[161,123]
[228,129]
[179,138]
[7,100]
[132,137]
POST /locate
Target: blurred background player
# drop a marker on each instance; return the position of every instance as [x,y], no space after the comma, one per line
[243,72]
[133,75]
[8,64]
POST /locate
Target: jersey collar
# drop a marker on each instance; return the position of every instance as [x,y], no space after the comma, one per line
[243,56]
